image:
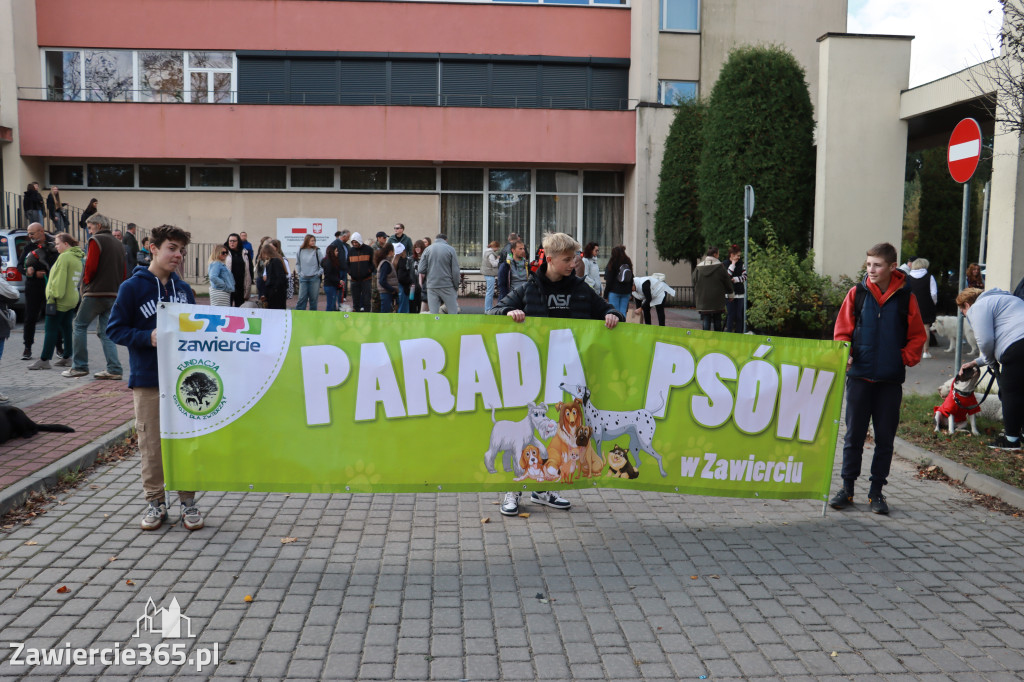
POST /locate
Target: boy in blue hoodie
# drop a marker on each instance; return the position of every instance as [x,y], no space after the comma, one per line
[133,324]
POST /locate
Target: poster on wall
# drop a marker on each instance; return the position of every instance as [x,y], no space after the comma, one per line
[291,232]
[302,401]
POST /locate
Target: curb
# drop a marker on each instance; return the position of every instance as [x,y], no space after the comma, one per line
[15,494]
[1009,494]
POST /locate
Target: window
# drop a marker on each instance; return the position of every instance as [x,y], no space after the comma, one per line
[209,76]
[262,177]
[462,219]
[680,15]
[111,175]
[108,75]
[364,178]
[603,182]
[557,212]
[211,176]
[422,179]
[673,92]
[161,176]
[602,223]
[63,75]
[313,177]
[462,180]
[67,176]
[161,76]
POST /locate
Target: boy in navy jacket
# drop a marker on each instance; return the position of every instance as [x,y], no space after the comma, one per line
[133,324]
[881,320]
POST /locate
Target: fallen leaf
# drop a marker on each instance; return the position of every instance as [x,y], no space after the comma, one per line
[693,577]
[106,516]
[94,487]
[62,589]
[285,541]
[129,582]
[113,558]
[485,519]
[27,522]
[543,601]
[833,654]
[31,542]
[248,598]
[713,576]
[525,515]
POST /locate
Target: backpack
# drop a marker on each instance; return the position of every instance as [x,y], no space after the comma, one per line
[625,275]
[538,261]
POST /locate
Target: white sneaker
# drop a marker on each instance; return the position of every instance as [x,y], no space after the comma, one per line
[156,514]
[510,507]
[190,516]
[551,499]
[926,356]
[4,399]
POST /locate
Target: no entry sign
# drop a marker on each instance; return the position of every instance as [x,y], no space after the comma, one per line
[964,150]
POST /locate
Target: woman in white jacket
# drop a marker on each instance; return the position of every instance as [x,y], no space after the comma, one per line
[587,268]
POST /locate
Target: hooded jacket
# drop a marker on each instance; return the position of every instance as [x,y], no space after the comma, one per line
[62,285]
[711,285]
[568,297]
[997,318]
[133,320]
[881,350]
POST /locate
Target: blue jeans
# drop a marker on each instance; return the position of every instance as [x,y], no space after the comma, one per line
[489,296]
[403,299]
[619,301]
[94,308]
[309,292]
[387,301]
[331,293]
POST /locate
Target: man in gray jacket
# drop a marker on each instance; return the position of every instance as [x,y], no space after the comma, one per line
[439,273]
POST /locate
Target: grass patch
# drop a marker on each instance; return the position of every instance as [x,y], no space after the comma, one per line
[917,425]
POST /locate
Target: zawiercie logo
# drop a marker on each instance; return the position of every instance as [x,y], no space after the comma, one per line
[227,324]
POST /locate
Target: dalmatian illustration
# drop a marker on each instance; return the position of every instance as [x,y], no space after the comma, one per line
[639,425]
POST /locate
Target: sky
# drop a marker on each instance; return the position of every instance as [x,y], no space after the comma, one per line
[949,35]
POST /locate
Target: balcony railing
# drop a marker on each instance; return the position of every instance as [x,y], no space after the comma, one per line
[334,98]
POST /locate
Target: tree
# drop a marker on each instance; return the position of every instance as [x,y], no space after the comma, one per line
[759,131]
[677,227]
[1005,71]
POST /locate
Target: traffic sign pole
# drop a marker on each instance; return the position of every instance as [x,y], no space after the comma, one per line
[748,210]
[962,157]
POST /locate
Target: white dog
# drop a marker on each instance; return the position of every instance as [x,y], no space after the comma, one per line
[960,405]
[513,437]
[945,326]
[639,425]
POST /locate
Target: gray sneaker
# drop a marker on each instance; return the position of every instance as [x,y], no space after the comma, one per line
[156,514]
[190,516]
[62,362]
[107,375]
[551,499]
[40,364]
[510,505]
[4,399]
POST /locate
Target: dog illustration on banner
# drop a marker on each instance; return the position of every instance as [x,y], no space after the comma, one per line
[639,425]
[513,438]
[532,465]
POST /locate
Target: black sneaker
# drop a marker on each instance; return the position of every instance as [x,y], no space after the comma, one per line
[1003,443]
[27,355]
[842,499]
[551,499]
[510,505]
[878,505]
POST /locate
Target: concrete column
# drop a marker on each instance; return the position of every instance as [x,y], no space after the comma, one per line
[19,66]
[1005,253]
[862,148]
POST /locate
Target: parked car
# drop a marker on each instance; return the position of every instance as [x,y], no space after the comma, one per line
[12,245]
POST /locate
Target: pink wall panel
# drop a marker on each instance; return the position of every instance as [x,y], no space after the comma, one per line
[344,26]
[86,130]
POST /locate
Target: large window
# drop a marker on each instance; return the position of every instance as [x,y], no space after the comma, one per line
[674,92]
[140,75]
[680,15]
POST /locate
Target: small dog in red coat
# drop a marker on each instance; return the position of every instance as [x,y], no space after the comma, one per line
[960,405]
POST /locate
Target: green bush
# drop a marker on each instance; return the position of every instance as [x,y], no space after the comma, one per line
[785,297]
[759,131]
[677,227]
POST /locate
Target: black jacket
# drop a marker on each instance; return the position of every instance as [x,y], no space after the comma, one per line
[33,201]
[569,297]
[39,258]
[360,263]
[131,250]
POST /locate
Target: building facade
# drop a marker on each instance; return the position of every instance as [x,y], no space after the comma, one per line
[474,118]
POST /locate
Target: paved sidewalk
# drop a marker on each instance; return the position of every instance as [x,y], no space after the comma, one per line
[625,586]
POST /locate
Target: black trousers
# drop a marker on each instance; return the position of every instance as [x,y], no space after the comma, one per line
[35,308]
[1011,388]
[711,321]
[879,403]
[361,295]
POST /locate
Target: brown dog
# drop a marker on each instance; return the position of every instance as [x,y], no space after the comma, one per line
[591,463]
[570,419]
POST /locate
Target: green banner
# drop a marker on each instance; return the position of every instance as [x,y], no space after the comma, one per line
[297,401]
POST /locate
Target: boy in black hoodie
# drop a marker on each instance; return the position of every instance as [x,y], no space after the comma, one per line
[554,291]
[133,324]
